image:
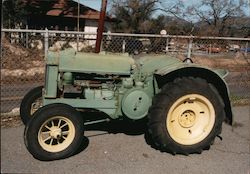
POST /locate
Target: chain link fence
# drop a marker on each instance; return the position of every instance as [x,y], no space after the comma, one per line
[24,51]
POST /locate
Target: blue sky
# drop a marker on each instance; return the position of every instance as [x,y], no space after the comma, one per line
[95,4]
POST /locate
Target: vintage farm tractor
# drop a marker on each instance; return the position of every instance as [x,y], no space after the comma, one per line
[184,104]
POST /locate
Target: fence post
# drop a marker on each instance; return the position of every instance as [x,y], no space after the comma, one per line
[46,43]
[167,42]
[210,49]
[190,44]
[106,41]
[27,38]
[246,49]
[2,36]
[101,46]
[77,41]
[123,46]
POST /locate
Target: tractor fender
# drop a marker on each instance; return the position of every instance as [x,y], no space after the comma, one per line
[215,77]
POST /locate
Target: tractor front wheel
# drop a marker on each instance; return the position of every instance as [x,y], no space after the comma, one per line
[54,132]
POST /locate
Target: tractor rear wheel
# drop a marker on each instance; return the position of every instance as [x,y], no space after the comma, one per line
[186,116]
[54,132]
[30,103]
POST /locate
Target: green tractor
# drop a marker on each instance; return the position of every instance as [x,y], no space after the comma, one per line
[184,104]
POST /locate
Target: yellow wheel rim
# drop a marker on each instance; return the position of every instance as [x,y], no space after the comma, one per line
[190,119]
[56,134]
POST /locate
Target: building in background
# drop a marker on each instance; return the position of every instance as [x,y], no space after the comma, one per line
[54,15]
[63,15]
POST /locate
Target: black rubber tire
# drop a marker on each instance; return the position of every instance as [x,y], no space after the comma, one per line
[42,115]
[163,101]
[28,100]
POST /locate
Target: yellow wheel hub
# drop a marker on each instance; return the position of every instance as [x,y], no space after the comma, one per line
[56,134]
[187,119]
[190,119]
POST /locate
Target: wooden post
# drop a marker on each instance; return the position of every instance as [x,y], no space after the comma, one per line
[101,26]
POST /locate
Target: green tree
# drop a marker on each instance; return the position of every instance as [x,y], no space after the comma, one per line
[138,16]
[217,16]
[14,13]
[17,12]
[134,15]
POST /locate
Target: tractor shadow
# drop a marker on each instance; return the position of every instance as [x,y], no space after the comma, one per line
[125,126]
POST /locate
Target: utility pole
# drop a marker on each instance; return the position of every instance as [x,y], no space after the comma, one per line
[78,16]
[78,25]
[101,26]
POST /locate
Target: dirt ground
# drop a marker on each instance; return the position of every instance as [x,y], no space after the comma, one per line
[19,64]
[17,57]
[231,62]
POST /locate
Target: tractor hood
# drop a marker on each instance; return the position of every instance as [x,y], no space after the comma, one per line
[71,61]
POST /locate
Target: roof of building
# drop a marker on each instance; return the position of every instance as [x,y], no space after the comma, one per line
[64,8]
